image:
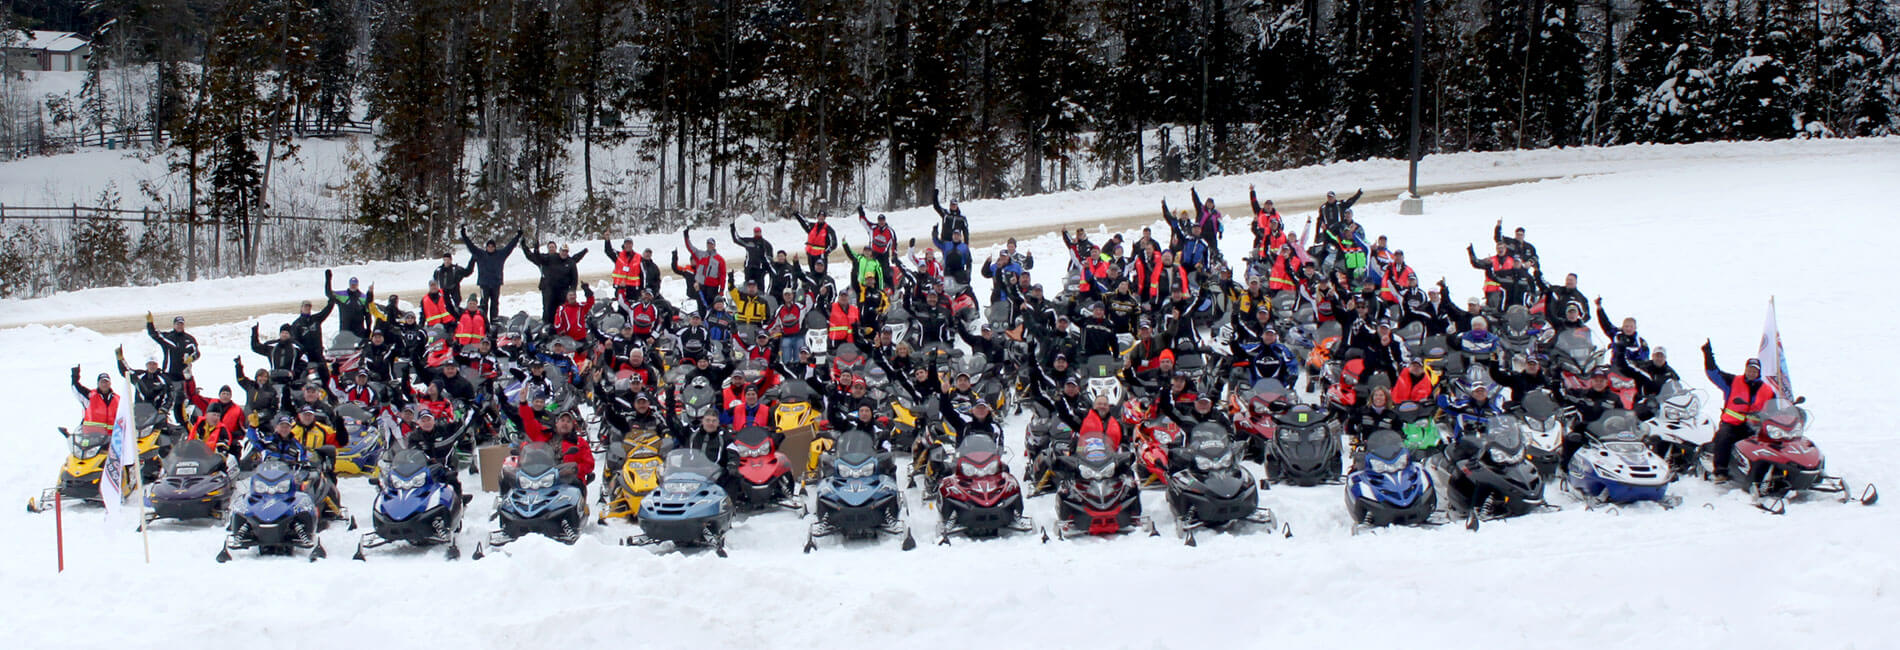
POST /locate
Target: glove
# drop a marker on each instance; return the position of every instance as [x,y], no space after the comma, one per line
[1706,348]
[75,374]
[148,318]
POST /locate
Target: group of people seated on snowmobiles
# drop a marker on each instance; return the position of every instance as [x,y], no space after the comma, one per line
[901,347]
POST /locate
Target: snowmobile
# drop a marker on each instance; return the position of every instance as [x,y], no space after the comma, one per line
[284,508]
[1676,417]
[1198,366]
[1521,331]
[196,483]
[86,457]
[1413,336]
[1487,476]
[858,496]
[1576,356]
[1155,441]
[540,495]
[369,436]
[1253,411]
[1305,449]
[690,508]
[1544,429]
[632,471]
[818,335]
[980,498]
[1046,439]
[1614,466]
[1098,494]
[1210,489]
[1779,462]
[1419,429]
[763,476]
[697,400]
[1390,489]
[796,406]
[415,505]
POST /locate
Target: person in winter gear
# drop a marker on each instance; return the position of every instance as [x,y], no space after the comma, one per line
[707,271]
[1591,403]
[177,348]
[1503,275]
[629,274]
[1532,374]
[570,319]
[883,245]
[449,276]
[488,262]
[433,439]
[354,315]
[261,395]
[1626,346]
[1515,246]
[471,326]
[1413,384]
[1743,398]
[820,238]
[99,405]
[1649,375]
[308,329]
[1334,209]
[553,283]
[952,220]
[758,253]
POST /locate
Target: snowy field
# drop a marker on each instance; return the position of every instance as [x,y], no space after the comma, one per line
[1692,245]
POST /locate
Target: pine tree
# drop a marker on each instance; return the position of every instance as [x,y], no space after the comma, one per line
[1374,58]
[1862,61]
[1758,99]
[1666,91]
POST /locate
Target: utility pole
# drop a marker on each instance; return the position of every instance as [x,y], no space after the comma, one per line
[1412,203]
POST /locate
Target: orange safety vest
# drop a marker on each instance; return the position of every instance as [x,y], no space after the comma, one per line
[1281,278]
[470,328]
[762,417]
[1498,263]
[100,412]
[843,318]
[817,239]
[627,269]
[434,309]
[1742,406]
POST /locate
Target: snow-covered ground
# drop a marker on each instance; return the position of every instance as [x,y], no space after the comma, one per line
[1692,241]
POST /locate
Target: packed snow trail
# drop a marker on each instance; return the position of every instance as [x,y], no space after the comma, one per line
[1692,251]
[1118,218]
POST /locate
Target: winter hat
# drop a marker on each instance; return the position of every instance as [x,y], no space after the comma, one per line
[178,320]
[104,377]
[1754,363]
[1658,351]
[1166,355]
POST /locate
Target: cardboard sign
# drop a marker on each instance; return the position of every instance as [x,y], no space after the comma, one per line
[490,460]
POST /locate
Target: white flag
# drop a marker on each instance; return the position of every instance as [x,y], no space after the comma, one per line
[121,450]
[1774,364]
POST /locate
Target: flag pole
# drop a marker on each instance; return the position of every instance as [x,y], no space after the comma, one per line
[138,488]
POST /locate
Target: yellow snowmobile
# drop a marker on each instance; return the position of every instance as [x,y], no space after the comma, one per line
[85,464]
[798,419]
[632,471]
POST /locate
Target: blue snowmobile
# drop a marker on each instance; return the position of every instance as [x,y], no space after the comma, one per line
[690,508]
[1390,489]
[415,505]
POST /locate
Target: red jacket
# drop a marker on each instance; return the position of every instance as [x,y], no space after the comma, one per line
[570,319]
[573,450]
[1407,389]
[1741,404]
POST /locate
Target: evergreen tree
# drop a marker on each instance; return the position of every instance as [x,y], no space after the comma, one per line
[1758,91]
[1373,41]
[1861,75]
[1666,91]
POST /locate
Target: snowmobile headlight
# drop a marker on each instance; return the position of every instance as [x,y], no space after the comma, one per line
[985,469]
[85,449]
[1502,456]
[540,481]
[857,471]
[410,483]
[1393,466]
[1211,463]
[752,452]
[1094,473]
[681,487]
[276,487]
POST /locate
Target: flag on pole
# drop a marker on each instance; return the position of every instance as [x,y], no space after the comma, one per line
[1299,245]
[121,450]
[1774,364]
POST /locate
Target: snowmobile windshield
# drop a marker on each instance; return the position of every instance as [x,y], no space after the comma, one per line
[1575,343]
[977,444]
[1103,366]
[752,436]
[87,444]
[796,391]
[1517,320]
[537,458]
[1618,425]
[1385,443]
[1412,411]
[1539,406]
[856,444]
[690,461]
[1270,390]
[1504,441]
[1782,420]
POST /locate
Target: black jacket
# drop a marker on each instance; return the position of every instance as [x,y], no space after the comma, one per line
[179,350]
[488,266]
